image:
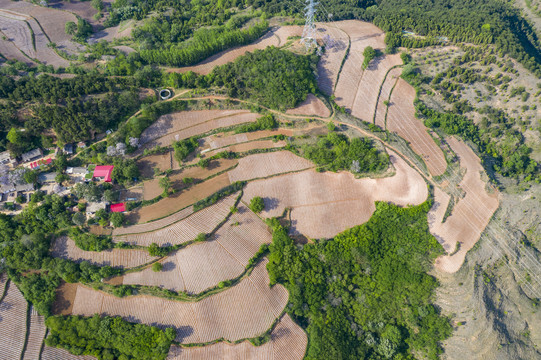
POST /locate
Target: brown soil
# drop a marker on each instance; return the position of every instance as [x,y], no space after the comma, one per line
[100,230]
[178,201]
[147,164]
[329,63]
[153,189]
[65,295]
[311,106]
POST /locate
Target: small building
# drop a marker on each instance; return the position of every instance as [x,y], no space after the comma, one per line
[76,171]
[81,145]
[68,149]
[103,172]
[47,177]
[93,207]
[120,207]
[5,158]
[32,155]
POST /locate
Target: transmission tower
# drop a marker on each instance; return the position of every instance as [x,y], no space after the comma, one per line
[309,31]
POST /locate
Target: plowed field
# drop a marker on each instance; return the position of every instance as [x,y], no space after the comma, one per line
[246,310]
[36,334]
[12,323]
[202,266]
[268,164]
[329,63]
[65,248]
[325,204]
[311,106]
[401,119]
[381,109]
[203,221]
[51,353]
[470,215]
[288,342]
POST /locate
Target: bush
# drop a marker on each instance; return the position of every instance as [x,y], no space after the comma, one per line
[117,219]
[90,242]
[257,205]
[157,267]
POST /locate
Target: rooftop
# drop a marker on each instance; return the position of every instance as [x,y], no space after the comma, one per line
[103,171]
[120,207]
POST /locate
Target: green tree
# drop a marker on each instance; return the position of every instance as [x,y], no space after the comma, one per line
[165,184]
[31,176]
[117,219]
[257,205]
[70,28]
[157,267]
[14,136]
[79,218]
[369,54]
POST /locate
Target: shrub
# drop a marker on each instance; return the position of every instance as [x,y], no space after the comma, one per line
[257,205]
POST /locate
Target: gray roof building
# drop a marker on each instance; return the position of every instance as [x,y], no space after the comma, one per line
[46,177]
[5,157]
[32,155]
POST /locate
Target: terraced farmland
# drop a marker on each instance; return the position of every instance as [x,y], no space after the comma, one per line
[12,323]
[51,353]
[324,204]
[386,88]
[36,334]
[181,231]
[65,248]
[203,265]
[287,342]
[329,64]
[268,164]
[311,106]
[245,310]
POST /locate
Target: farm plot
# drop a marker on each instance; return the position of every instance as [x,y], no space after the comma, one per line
[324,204]
[12,323]
[470,214]
[329,63]
[152,187]
[50,23]
[179,200]
[65,248]
[155,225]
[287,342]
[187,229]
[11,52]
[401,119]
[268,164]
[202,266]
[249,146]
[245,310]
[385,93]
[361,34]
[36,334]
[17,31]
[51,353]
[177,126]
[147,164]
[217,141]
[364,105]
[275,37]
[311,106]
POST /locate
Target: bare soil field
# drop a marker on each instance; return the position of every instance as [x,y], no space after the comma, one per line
[83,9]
[125,49]
[325,204]
[51,353]
[187,229]
[36,334]
[288,342]
[437,213]
[362,34]
[221,140]
[268,164]
[364,105]
[147,164]
[401,119]
[470,215]
[249,146]
[65,248]
[152,187]
[10,51]
[331,60]
[245,310]
[65,294]
[12,323]
[275,37]
[52,22]
[203,265]
[154,225]
[311,106]
[17,31]
[181,125]
[386,88]
[179,200]
[123,30]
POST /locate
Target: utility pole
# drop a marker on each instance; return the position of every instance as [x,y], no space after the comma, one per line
[309,31]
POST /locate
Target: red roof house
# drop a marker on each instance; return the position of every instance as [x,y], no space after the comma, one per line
[103,171]
[120,207]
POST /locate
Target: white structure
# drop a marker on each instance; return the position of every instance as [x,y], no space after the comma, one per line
[309,31]
[93,207]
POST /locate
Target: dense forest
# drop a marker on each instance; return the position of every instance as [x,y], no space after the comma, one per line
[366,293]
